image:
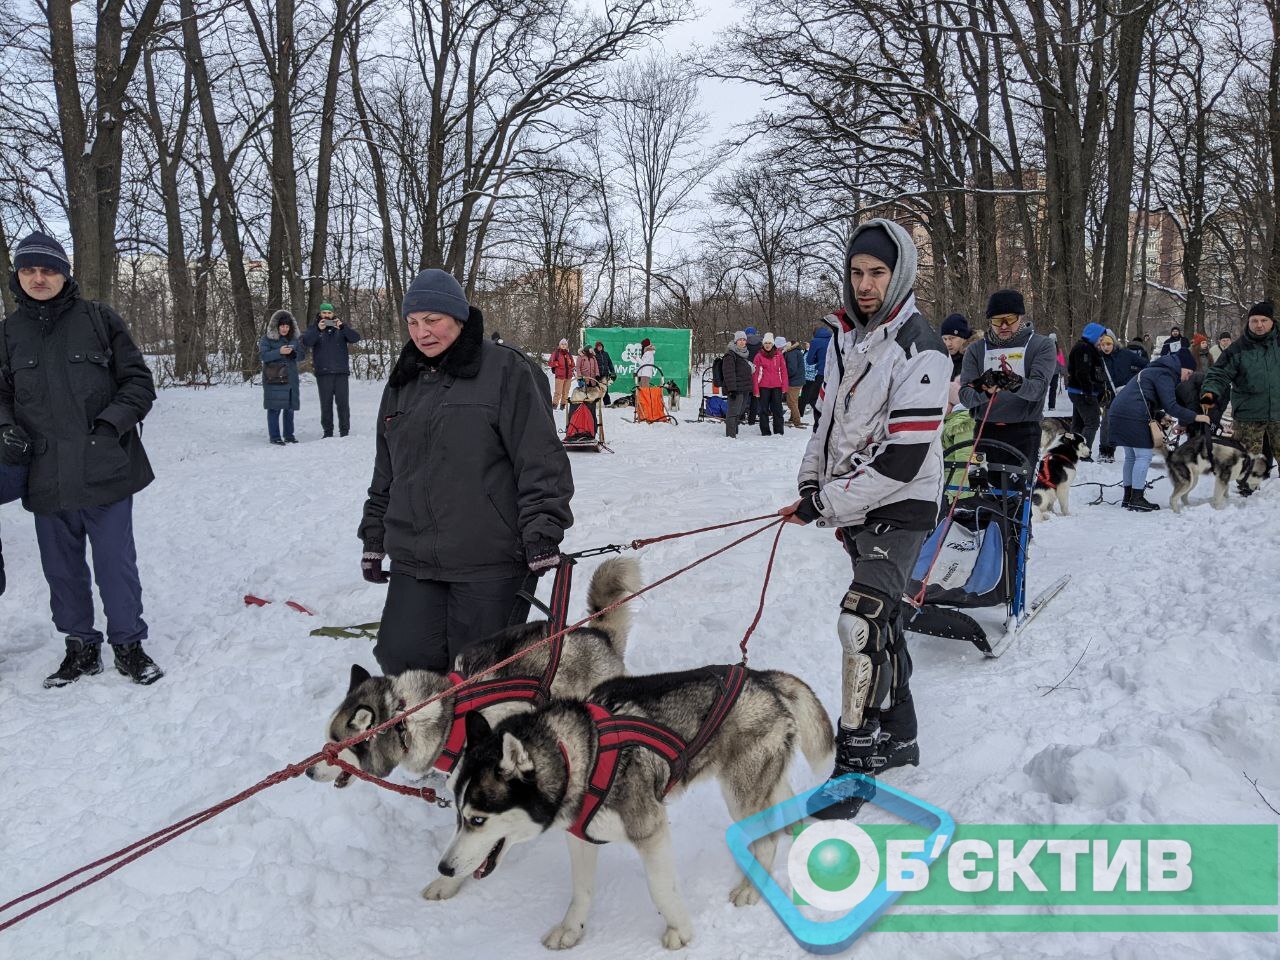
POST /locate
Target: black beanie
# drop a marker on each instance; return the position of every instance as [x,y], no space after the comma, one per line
[38,249]
[1264,309]
[435,291]
[876,242]
[956,326]
[1006,301]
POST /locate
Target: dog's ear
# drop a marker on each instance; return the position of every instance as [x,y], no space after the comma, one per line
[361,718]
[477,727]
[515,759]
[358,676]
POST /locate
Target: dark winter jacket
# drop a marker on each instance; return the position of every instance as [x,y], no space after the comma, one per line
[1173,345]
[13,484]
[736,372]
[1250,369]
[1138,347]
[280,390]
[1086,376]
[68,367]
[755,343]
[794,357]
[1147,397]
[470,477]
[605,363]
[816,358]
[329,353]
[1188,393]
[1031,356]
[1122,364]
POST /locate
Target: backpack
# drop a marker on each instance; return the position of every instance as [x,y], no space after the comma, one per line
[717,372]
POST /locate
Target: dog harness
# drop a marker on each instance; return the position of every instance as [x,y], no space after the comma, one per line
[478,694]
[1043,476]
[616,732]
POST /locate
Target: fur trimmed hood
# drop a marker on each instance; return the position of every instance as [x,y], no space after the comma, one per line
[460,360]
[273,325]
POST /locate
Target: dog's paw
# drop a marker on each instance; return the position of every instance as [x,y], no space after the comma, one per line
[675,939]
[744,894]
[441,888]
[562,937]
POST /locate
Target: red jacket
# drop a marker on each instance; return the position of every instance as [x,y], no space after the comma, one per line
[771,370]
[561,364]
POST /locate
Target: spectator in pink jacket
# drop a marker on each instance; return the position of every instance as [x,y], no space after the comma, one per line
[561,364]
[769,383]
[588,366]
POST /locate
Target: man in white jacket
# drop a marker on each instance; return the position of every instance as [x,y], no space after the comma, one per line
[873,470]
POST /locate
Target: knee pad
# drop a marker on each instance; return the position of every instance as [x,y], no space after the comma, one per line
[865,634]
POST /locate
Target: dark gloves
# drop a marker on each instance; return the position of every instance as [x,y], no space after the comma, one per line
[808,510]
[999,379]
[542,555]
[808,486]
[371,567]
[15,446]
[1208,400]
[103,429]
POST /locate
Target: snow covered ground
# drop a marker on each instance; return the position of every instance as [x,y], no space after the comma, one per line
[1176,696]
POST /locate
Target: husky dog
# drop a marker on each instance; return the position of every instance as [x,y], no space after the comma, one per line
[1051,428]
[530,773]
[1057,470]
[589,392]
[673,395]
[589,655]
[1226,459]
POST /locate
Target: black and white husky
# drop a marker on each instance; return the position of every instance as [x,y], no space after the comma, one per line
[531,772]
[1227,460]
[1055,474]
[589,655]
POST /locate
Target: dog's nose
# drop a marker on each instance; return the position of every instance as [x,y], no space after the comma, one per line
[311,773]
[445,869]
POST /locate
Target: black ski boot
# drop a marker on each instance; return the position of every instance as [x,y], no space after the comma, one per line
[855,753]
[82,660]
[133,662]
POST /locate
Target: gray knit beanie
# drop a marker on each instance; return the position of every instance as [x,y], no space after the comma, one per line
[436,291]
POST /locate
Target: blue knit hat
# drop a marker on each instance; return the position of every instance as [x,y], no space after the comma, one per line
[956,326]
[436,291]
[1092,331]
[751,331]
[38,249]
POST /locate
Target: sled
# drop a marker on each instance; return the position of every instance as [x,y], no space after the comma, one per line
[977,558]
[584,420]
[649,403]
[714,406]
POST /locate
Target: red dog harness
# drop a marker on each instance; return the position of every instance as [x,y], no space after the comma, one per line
[1043,477]
[532,690]
[615,733]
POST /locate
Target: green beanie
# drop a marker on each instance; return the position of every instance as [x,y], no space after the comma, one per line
[326,306]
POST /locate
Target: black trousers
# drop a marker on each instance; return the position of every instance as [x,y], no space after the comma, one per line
[770,405]
[1085,417]
[333,386]
[809,395]
[427,623]
[737,409]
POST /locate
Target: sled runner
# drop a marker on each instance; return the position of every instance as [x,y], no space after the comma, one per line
[978,557]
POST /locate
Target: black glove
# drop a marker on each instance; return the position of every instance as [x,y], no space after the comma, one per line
[808,487]
[542,555]
[101,428]
[371,567]
[1208,401]
[808,508]
[15,446]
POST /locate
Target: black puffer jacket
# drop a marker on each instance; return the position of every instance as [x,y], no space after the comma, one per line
[470,476]
[735,373]
[66,365]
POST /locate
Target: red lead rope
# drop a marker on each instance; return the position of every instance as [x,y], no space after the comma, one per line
[140,848]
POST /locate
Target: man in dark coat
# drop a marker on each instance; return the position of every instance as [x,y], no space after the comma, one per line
[1011,345]
[329,339]
[471,485]
[608,373]
[74,386]
[1249,372]
[1175,342]
[736,373]
[1087,383]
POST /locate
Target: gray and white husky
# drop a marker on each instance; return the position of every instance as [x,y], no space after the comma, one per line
[1227,460]
[530,773]
[590,655]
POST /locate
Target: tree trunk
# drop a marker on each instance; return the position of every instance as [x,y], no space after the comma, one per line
[229,219]
[328,109]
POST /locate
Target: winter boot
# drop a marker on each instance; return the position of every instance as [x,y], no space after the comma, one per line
[82,660]
[1128,497]
[133,662]
[1140,503]
[278,442]
[290,439]
[855,753]
[897,746]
